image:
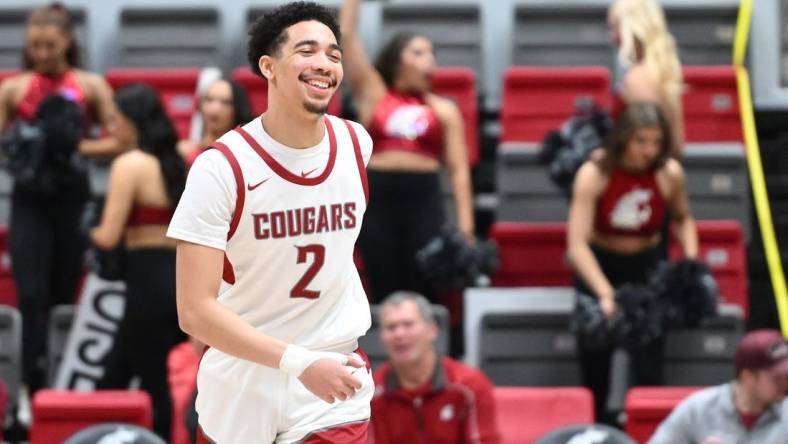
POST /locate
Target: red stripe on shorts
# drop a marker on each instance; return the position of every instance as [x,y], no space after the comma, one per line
[351,433]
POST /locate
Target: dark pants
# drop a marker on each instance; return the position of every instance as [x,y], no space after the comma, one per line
[405,212]
[148,332]
[646,361]
[47,250]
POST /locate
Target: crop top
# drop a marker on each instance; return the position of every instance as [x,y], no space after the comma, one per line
[404,122]
[631,205]
[142,215]
[41,86]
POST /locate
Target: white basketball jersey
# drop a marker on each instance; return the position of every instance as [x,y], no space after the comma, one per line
[289,267]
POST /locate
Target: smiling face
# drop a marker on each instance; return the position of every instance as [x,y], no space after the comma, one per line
[307,69]
[405,334]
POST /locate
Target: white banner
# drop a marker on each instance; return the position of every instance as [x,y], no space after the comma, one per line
[92,334]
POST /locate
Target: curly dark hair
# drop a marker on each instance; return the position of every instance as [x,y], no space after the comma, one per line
[269,31]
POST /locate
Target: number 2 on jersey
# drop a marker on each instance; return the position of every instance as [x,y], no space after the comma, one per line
[319,252]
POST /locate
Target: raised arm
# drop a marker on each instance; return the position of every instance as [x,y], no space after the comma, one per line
[366,84]
[685,230]
[586,189]
[456,158]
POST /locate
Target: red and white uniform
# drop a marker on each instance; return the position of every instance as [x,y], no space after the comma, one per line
[287,220]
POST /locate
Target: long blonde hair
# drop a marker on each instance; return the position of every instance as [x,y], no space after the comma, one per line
[642,26]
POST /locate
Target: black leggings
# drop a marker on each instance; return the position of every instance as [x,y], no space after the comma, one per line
[47,250]
[646,361]
[405,211]
[148,332]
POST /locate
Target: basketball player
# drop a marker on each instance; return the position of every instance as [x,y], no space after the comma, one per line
[268,222]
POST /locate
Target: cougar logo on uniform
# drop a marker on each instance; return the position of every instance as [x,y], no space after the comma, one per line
[447,413]
[632,210]
[408,122]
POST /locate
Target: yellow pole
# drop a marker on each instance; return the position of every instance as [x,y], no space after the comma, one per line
[755,166]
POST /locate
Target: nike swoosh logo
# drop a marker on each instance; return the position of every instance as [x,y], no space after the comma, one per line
[303,174]
[251,187]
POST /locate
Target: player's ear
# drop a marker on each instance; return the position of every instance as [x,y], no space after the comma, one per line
[266,66]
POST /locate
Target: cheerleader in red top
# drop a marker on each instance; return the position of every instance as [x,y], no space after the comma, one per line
[223,106]
[415,133]
[45,241]
[145,185]
[619,202]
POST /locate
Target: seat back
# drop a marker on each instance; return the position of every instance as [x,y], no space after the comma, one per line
[711,104]
[525,190]
[459,85]
[177,88]
[539,99]
[532,254]
[58,414]
[373,347]
[168,37]
[534,349]
[7,287]
[526,413]
[647,407]
[11,352]
[703,355]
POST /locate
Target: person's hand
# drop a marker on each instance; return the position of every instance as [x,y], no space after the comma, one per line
[608,306]
[329,379]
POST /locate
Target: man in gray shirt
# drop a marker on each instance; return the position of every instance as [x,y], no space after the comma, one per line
[747,410]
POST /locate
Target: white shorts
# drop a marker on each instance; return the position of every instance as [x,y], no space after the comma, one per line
[242,402]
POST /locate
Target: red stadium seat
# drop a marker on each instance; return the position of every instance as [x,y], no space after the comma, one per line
[177,88]
[6,73]
[549,407]
[257,90]
[711,104]
[539,99]
[534,254]
[723,249]
[647,407]
[58,414]
[7,287]
[459,84]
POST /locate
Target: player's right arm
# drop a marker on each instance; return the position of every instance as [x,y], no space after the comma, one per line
[202,216]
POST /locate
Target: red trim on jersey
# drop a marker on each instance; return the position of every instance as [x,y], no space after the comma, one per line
[362,169]
[201,438]
[282,171]
[228,274]
[350,433]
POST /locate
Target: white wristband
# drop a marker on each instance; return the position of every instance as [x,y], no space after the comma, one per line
[296,359]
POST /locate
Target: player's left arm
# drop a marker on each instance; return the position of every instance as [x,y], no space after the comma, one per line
[484,425]
[455,153]
[117,205]
[685,230]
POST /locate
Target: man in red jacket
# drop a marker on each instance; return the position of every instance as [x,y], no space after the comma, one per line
[421,397]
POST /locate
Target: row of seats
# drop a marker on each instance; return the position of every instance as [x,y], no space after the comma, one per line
[536,100]
[57,415]
[534,255]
